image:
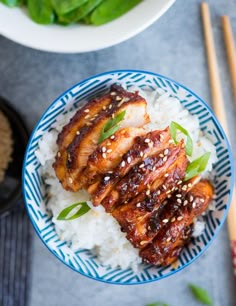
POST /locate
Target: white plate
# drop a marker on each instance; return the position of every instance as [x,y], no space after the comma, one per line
[17,26]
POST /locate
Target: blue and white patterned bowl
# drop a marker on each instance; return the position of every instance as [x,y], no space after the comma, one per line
[83,261]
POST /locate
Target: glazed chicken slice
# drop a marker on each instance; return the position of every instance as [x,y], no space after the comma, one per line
[148,145]
[108,154]
[81,118]
[86,140]
[177,247]
[142,175]
[193,204]
[136,217]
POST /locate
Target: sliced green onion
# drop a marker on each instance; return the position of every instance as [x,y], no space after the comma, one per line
[83,209]
[197,166]
[111,126]
[201,295]
[174,127]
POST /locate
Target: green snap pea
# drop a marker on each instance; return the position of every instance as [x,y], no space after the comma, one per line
[41,11]
[80,12]
[63,7]
[111,9]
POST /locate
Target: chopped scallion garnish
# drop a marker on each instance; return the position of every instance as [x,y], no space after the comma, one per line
[111,126]
[197,166]
[83,209]
[174,127]
[201,295]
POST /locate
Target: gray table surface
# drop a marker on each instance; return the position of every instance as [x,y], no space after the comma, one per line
[173,46]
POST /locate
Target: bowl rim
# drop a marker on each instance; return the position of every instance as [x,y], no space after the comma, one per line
[230,159]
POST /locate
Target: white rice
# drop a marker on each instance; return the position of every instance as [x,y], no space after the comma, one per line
[98,230]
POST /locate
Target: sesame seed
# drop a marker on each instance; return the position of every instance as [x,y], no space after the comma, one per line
[109,151]
[180,218]
[178,195]
[123,164]
[129,160]
[78,132]
[168,191]
[179,182]
[173,219]
[179,201]
[169,196]
[142,165]
[70,180]
[154,168]
[112,137]
[184,187]
[145,155]
[118,98]
[161,137]
[142,242]
[108,144]
[165,158]
[150,144]
[87,116]
[104,149]
[147,140]
[104,155]
[59,154]
[113,93]
[148,192]
[164,186]
[106,178]
[110,106]
[104,107]
[171,141]
[185,202]
[113,116]
[166,175]
[168,239]
[138,204]
[110,171]
[149,227]
[166,152]
[86,110]
[191,198]
[165,220]
[141,154]
[189,185]
[158,192]
[194,204]
[202,200]
[161,155]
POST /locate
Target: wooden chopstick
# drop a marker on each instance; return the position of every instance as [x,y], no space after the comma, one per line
[230,50]
[218,102]
[216,92]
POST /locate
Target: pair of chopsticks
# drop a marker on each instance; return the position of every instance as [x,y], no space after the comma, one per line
[217,96]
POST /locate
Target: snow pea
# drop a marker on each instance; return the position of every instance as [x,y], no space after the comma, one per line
[80,12]
[41,11]
[111,9]
[65,6]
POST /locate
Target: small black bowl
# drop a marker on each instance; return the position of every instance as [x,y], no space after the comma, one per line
[10,188]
